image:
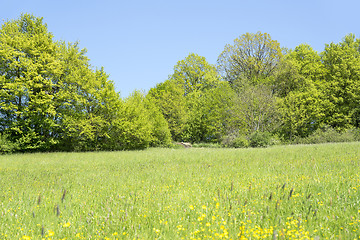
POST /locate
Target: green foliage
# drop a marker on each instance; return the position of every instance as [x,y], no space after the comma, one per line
[308,62]
[171,101]
[205,96]
[302,112]
[328,134]
[318,89]
[138,125]
[291,95]
[7,146]
[251,59]
[255,109]
[133,129]
[250,65]
[287,78]
[27,66]
[194,73]
[160,133]
[194,101]
[91,113]
[299,68]
[51,98]
[260,139]
[301,103]
[234,140]
[209,114]
[342,82]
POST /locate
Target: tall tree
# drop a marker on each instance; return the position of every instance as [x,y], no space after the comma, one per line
[255,108]
[195,73]
[251,58]
[28,66]
[209,114]
[160,132]
[342,82]
[132,129]
[170,98]
[296,69]
[302,111]
[179,96]
[52,99]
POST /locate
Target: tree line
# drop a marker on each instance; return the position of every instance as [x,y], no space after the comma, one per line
[51,99]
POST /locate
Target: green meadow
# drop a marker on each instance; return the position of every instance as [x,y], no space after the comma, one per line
[281,192]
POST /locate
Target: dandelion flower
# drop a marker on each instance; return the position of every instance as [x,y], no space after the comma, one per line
[67,224]
[51,233]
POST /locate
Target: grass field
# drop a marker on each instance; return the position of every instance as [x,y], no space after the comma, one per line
[283,192]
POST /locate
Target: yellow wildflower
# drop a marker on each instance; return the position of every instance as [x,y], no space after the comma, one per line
[67,224]
[51,233]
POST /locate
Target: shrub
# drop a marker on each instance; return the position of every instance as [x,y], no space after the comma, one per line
[276,140]
[328,134]
[241,142]
[356,133]
[234,140]
[6,146]
[260,139]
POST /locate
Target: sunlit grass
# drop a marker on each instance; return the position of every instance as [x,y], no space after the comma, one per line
[285,192]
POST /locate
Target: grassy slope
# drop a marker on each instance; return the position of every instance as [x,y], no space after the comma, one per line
[170,194]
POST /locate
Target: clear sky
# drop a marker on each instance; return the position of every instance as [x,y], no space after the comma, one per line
[139,42]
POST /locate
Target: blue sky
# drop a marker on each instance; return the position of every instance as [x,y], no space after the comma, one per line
[139,42]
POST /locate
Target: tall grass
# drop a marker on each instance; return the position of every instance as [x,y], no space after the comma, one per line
[280,192]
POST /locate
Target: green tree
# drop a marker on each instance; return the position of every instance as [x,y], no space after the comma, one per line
[160,134]
[88,111]
[52,99]
[195,73]
[181,97]
[296,69]
[138,125]
[170,98]
[252,58]
[298,82]
[132,129]
[302,112]
[342,82]
[209,114]
[28,64]
[255,109]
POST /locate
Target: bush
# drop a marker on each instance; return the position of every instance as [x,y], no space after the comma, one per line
[6,146]
[260,139]
[241,142]
[328,134]
[356,133]
[234,140]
